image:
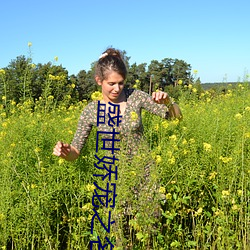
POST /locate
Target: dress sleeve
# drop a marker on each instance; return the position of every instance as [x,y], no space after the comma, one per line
[84,127]
[151,106]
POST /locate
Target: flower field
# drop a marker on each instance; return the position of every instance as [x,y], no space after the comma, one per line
[202,166]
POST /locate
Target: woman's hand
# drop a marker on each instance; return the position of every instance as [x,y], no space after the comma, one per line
[161,97]
[65,151]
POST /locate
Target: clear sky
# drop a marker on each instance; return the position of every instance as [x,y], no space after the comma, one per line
[212,36]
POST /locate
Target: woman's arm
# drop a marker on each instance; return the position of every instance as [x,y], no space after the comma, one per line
[66,151]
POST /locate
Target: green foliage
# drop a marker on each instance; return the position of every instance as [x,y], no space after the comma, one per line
[200,166]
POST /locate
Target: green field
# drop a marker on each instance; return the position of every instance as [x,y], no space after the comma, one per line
[202,165]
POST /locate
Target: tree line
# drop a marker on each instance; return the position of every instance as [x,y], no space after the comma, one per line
[22,79]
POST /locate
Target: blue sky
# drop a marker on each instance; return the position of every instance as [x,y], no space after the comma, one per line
[212,36]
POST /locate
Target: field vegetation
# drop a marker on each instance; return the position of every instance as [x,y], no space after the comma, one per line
[202,166]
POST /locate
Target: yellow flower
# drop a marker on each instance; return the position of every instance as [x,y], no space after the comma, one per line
[238,116]
[87,207]
[212,175]
[37,149]
[190,86]
[164,124]
[3,97]
[2,72]
[56,58]
[168,196]
[61,161]
[133,173]
[239,192]
[2,217]
[133,116]
[137,81]
[50,97]
[235,207]
[207,147]
[29,44]
[96,96]
[225,159]
[171,160]
[184,141]
[162,190]
[51,77]
[13,103]
[247,135]
[180,82]
[198,212]
[247,108]
[195,71]
[90,187]
[33,186]
[191,140]
[158,159]
[174,122]
[225,193]
[194,90]
[135,86]
[173,137]
[73,85]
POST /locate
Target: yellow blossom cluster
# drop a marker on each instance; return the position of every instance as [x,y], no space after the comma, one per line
[133,116]
[96,96]
[225,159]
[56,78]
[2,72]
[207,147]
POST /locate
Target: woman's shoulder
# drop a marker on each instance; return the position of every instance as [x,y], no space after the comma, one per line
[136,93]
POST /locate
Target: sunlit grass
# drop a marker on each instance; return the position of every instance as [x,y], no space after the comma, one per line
[202,166]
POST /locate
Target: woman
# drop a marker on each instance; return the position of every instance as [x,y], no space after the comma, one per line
[110,74]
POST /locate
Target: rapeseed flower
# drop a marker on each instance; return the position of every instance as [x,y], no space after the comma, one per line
[238,116]
[225,193]
[156,127]
[173,137]
[29,44]
[168,196]
[180,82]
[56,58]
[235,207]
[96,96]
[133,116]
[239,192]
[2,72]
[207,147]
[225,159]
[198,212]
[164,124]
[171,160]
[162,190]
[158,159]
[212,175]
[90,187]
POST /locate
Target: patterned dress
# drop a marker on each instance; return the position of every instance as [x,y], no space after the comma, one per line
[138,189]
[130,128]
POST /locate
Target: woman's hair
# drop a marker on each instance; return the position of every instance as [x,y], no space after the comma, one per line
[110,60]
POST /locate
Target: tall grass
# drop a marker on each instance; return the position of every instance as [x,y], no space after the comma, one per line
[202,167]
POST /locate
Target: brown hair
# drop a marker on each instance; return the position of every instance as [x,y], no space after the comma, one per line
[110,60]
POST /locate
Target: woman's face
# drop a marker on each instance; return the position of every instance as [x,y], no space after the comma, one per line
[112,86]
